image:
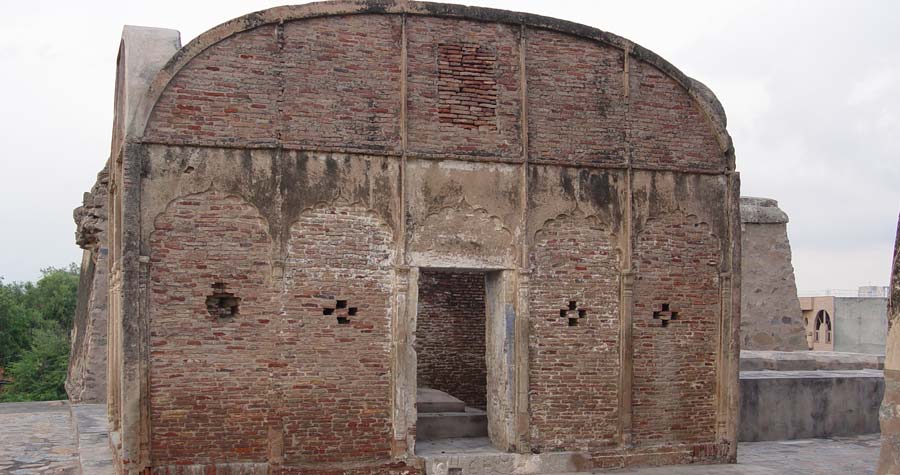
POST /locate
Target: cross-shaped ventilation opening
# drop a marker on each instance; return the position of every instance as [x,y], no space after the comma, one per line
[665,315]
[572,313]
[221,304]
[341,312]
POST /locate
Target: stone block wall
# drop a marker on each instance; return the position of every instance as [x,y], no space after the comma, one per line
[86,377]
[786,405]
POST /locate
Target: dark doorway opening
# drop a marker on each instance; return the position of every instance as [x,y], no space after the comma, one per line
[450,348]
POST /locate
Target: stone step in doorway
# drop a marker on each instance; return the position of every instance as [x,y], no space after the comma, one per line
[477,456]
[442,416]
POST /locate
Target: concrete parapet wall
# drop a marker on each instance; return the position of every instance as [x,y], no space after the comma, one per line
[860,324]
[808,360]
[783,405]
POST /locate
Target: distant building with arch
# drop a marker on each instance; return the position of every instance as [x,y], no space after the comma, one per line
[848,324]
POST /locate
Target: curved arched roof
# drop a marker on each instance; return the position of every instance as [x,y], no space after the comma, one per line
[707,101]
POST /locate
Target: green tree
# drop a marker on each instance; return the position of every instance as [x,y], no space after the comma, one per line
[35,319]
[15,324]
[40,374]
[54,295]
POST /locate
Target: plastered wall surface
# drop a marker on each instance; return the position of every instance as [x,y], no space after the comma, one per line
[861,324]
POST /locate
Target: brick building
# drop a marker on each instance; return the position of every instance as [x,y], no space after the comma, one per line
[314,207]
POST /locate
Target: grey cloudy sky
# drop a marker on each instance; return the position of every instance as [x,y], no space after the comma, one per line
[811,89]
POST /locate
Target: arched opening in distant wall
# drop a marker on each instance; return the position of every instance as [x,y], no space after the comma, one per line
[823,319]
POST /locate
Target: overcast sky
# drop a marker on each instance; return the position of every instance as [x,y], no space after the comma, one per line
[811,89]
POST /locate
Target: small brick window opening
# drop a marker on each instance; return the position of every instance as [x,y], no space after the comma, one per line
[665,315]
[467,86]
[341,311]
[222,304]
[572,313]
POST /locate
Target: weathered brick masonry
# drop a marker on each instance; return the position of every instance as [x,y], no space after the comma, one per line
[576,110]
[451,122]
[210,377]
[553,206]
[674,360]
[574,346]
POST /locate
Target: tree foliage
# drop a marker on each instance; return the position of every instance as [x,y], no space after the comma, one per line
[40,374]
[15,323]
[35,319]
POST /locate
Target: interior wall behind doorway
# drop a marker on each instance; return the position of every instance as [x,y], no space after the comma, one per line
[450,334]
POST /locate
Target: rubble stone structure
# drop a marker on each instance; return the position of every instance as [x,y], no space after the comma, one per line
[770,310]
[86,379]
[889,460]
[287,187]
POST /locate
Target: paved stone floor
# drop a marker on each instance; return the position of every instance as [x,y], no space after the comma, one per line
[838,456]
[37,438]
[41,438]
[52,438]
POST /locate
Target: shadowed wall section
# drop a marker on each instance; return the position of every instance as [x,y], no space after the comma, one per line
[450,335]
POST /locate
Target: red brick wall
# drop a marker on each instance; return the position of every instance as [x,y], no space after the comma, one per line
[450,334]
[576,109]
[209,378]
[342,82]
[428,133]
[335,83]
[398,468]
[467,86]
[574,370]
[392,468]
[323,83]
[676,259]
[227,95]
[218,385]
[334,385]
[667,129]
